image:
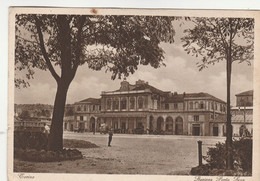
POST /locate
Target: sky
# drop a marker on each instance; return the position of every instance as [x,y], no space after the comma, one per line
[179,75]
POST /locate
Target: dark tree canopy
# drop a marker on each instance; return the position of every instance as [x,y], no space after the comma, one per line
[117,43]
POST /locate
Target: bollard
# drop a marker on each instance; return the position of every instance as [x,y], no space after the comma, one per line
[200,152]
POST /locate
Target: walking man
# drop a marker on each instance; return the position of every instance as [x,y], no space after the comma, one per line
[110,134]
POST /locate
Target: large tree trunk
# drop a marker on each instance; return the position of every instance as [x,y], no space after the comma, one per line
[55,141]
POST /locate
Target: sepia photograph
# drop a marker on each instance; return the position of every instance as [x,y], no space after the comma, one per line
[133,92]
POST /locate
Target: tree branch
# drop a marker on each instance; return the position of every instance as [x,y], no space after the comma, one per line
[46,58]
[78,49]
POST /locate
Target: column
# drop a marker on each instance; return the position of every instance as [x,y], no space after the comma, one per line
[136,108]
[127,103]
[119,104]
[119,123]
[164,124]
[147,124]
[126,123]
[135,123]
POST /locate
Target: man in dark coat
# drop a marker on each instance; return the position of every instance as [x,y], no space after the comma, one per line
[110,134]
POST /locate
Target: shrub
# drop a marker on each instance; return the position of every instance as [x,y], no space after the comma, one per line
[241,151]
[33,155]
[30,140]
[216,159]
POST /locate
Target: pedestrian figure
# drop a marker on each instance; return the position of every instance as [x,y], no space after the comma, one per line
[110,134]
[46,129]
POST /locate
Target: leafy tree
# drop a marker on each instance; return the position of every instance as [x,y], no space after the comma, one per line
[116,43]
[221,39]
[24,114]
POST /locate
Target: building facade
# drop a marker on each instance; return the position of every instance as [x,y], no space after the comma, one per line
[241,116]
[84,116]
[142,108]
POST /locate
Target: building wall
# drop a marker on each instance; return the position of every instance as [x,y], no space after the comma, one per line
[246,100]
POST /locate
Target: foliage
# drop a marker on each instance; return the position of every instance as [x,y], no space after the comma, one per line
[30,140]
[217,39]
[71,143]
[33,155]
[242,155]
[25,114]
[117,43]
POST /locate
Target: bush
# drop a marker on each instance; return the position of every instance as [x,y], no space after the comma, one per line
[47,156]
[216,159]
[30,140]
[241,151]
[71,143]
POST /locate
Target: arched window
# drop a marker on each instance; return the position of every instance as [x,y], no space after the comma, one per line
[78,108]
[132,103]
[123,103]
[212,105]
[196,105]
[116,104]
[109,104]
[191,105]
[140,103]
[167,106]
[85,108]
[201,105]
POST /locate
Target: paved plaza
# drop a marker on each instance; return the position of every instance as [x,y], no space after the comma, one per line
[131,154]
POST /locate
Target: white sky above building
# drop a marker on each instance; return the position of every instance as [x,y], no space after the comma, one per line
[180,75]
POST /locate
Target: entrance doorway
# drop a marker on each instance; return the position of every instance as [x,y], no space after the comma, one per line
[151,123]
[169,125]
[93,124]
[160,124]
[196,129]
[179,126]
[215,130]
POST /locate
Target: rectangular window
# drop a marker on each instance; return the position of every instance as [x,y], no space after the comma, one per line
[81,118]
[167,106]
[201,106]
[196,118]
[175,105]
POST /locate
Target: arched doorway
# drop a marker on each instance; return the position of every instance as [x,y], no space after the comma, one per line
[159,124]
[179,126]
[169,125]
[92,124]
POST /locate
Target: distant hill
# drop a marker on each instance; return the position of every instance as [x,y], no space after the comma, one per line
[38,110]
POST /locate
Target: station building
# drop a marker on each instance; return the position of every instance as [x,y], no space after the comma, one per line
[142,108]
[241,116]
